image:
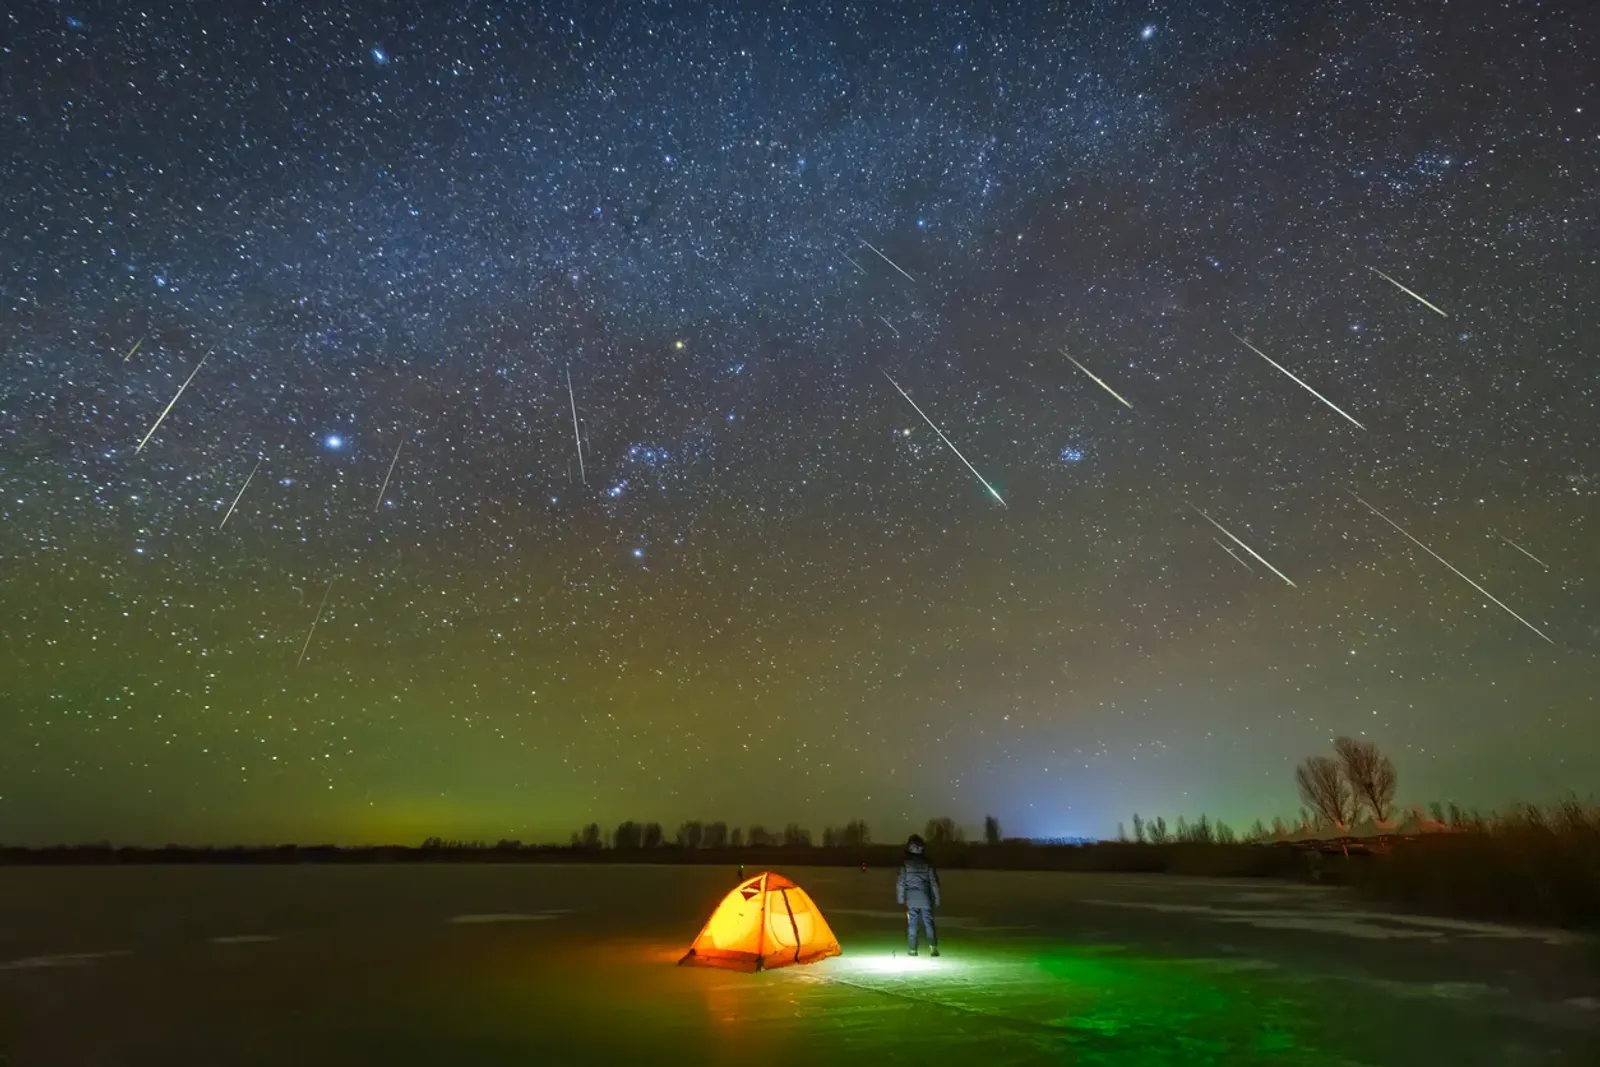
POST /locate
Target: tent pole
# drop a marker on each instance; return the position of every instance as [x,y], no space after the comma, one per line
[793,924]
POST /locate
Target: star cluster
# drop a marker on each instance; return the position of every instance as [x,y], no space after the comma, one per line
[730,572]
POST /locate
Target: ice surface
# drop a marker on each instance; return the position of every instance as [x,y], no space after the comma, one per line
[555,965]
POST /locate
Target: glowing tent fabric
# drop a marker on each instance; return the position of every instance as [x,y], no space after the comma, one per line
[766,922]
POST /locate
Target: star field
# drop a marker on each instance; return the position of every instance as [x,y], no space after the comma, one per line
[770,592]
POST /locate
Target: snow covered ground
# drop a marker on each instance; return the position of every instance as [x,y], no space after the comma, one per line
[467,965]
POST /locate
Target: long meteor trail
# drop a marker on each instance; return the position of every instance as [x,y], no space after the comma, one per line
[1094,378]
[889,261]
[1297,381]
[946,440]
[889,324]
[1452,567]
[132,350]
[1524,551]
[576,439]
[385,487]
[171,402]
[1244,546]
[236,499]
[314,622]
[1409,292]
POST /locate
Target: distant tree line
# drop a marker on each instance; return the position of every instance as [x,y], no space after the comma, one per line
[631,836]
[1334,790]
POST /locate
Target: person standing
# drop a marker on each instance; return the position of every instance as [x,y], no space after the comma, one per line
[918,889]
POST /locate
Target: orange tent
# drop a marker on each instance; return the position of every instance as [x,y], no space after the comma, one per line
[767,921]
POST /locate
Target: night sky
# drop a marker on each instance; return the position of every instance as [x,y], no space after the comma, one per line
[775,594]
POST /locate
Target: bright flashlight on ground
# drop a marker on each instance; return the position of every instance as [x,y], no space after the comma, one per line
[888,965]
[895,965]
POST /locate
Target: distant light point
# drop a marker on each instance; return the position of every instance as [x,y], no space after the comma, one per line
[333,441]
[379,56]
[1147,33]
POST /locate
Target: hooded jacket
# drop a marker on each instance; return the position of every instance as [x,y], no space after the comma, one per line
[918,884]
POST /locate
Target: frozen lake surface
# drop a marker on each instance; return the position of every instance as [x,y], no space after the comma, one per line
[539,964]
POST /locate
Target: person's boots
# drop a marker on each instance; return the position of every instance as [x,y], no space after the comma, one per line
[935,952]
[912,951]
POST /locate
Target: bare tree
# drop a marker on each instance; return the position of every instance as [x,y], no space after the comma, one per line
[1122,833]
[691,833]
[758,837]
[855,834]
[1370,774]
[1155,831]
[736,838]
[1138,828]
[943,831]
[796,836]
[652,835]
[1325,791]
[1258,832]
[591,836]
[991,830]
[715,835]
[627,836]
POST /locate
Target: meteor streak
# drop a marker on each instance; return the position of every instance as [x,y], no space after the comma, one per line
[236,499]
[1452,567]
[891,262]
[853,263]
[132,350]
[1524,551]
[1416,296]
[1244,546]
[1297,381]
[1236,557]
[889,324]
[946,440]
[576,439]
[1096,380]
[171,402]
[376,504]
[314,622]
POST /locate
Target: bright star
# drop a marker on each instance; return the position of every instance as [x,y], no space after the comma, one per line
[1147,33]
[333,440]
[379,56]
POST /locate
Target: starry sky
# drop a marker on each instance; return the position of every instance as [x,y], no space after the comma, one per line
[355,586]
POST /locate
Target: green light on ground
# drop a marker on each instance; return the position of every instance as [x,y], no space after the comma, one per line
[1100,1001]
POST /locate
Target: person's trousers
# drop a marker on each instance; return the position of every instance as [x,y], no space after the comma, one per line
[925,917]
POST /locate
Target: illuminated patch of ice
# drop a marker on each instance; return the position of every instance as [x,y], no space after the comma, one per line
[954,922]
